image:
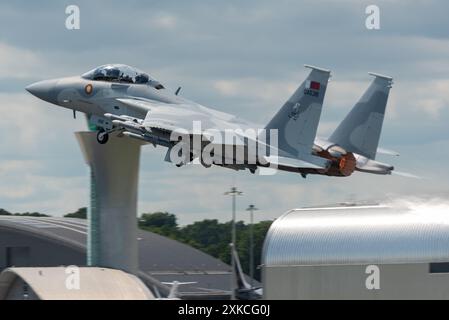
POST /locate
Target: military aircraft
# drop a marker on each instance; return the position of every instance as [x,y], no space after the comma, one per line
[174,290]
[125,101]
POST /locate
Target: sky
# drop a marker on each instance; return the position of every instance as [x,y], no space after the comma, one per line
[240,57]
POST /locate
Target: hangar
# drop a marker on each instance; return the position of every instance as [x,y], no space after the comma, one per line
[51,284]
[358,252]
[51,241]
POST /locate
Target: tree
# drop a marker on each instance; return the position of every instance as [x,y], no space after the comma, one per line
[3,212]
[158,219]
[81,213]
[163,223]
[210,236]
[260,231]
[31,214]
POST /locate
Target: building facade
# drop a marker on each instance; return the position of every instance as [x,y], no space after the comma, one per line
[358,252]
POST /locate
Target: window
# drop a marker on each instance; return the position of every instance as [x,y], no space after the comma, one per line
[17,256]
[439,267]
[121,73]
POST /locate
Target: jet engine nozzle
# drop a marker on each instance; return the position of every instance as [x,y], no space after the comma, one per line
[347,164]
[343,164]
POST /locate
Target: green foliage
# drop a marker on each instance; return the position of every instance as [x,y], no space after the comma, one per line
[210,236]
[32,214]
[3,212]
[162,223]
[81,213]
[158,220]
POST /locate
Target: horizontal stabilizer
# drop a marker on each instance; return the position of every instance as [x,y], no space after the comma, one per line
[388,152]
[296,163]
[365,164]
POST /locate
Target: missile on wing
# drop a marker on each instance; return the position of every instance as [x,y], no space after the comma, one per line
[136,136]
[130,125]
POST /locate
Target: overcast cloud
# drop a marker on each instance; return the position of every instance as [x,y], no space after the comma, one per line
[242,57]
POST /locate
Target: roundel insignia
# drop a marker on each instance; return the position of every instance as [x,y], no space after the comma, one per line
[88,88]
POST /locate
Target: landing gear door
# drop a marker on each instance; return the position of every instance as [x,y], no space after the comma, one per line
[101,122]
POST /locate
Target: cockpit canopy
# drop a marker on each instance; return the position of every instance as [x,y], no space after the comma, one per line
[121,73]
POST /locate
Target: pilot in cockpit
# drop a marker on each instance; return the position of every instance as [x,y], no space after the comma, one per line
[121,73]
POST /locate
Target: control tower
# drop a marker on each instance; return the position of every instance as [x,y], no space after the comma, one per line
[112,216]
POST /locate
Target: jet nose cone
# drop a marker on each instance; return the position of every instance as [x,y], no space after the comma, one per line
[44,90]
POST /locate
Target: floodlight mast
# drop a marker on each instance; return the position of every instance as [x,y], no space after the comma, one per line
[233,192]
[251,208]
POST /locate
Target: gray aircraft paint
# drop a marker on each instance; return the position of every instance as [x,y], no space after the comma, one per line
[360,131]
[158,111]
[142,111]
[297,120]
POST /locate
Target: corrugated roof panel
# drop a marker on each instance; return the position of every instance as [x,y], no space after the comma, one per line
[358,235]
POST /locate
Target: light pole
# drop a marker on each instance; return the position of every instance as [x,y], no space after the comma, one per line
[233,192]
[251,208]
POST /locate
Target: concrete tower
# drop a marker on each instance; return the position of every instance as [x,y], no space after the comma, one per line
[112,237]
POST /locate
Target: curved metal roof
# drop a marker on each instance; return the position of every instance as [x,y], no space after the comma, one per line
[160,258]
[96,284]
[359,235]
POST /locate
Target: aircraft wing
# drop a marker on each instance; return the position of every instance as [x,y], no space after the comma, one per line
[172,117]
[183,119]
[164,116]
[138,103]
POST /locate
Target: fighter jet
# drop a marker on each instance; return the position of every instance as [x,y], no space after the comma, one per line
[124,101]
[174,290]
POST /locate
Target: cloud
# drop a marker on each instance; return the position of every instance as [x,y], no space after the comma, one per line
[18,62]
[428,98]
[17,187]
[266,90]
[41,167]
[193,192]
[25,188]
[164,21]
[30,125]
[244,58]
